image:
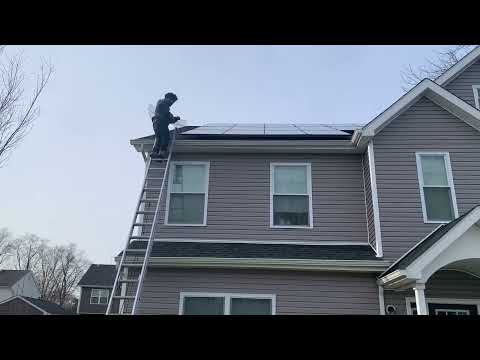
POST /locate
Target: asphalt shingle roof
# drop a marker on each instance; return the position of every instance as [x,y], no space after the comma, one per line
[424,245]
[10,277]
[99,275]
[47,306]
[245,250]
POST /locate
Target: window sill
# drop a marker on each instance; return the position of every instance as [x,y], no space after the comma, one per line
[185,224]
[290,227]
[437,222]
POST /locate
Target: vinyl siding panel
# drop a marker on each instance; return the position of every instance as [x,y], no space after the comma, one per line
[239,200]
[423,127]
[443,284]
[296,292]
[462,85]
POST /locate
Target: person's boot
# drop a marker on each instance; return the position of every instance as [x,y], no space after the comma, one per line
[163,154]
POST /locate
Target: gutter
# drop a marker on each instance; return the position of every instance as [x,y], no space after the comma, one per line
[374,266]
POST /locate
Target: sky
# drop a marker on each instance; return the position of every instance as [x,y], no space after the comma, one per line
[75,178]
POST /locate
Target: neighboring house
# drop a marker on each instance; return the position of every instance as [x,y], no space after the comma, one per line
[95,289]
[24,305]
[17,282]
[322,219]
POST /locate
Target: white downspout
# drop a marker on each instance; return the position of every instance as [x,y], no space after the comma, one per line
[381,300]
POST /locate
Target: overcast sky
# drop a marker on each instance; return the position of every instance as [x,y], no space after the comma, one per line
[75,178]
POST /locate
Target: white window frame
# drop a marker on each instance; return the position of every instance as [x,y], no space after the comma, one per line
[476,89]
[227,299]
[101,290]
[170,181]
[448,169]
[309,191]
[410,300]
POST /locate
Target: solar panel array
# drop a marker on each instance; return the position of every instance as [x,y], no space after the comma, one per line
[273,129]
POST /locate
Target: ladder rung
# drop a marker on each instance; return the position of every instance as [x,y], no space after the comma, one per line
[154,178]
[148,200]
[135,250]
[125,297]
[128,280]
[151,189]
[154,168]
[158,159]
[143,212]
[139,264]
[142,224]
[139,237]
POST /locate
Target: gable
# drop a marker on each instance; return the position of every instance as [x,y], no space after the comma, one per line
[461,86]
[17,306]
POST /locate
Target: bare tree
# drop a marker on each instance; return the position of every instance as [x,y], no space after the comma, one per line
[17,111]
[443,61]
[72,267]
[6,245]
[27,251]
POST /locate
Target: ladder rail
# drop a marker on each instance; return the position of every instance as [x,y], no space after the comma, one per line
[122,260]
[143,272]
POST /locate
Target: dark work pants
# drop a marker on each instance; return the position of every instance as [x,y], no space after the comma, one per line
[162,137]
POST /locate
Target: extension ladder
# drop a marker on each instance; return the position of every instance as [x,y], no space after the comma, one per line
[128,285]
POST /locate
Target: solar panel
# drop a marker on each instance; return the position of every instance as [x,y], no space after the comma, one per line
[318,129]
[209,130]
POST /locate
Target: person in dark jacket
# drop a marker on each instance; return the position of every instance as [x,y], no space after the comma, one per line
[162,118]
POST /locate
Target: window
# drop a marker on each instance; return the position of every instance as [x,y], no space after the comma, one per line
[226,304]
[476,89]
[436,187]
[99,296]
[290,195]
[187,194]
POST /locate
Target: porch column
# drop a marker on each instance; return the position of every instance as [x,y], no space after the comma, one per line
[419,289]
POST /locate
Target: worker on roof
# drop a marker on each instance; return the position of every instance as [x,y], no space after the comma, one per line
[162,118]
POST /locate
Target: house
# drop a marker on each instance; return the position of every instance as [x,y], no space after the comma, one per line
[24,305]
[95,289]
[17,282]
[380,218]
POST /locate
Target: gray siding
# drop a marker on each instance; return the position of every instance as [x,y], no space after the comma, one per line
[424,127]
[443,284]
[86,307]
[296,292]
[462,85]
[239,200]
[368,201]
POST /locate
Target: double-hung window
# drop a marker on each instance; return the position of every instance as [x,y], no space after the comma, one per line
[187,193]
[99,296]
[436,187]
[226,304]
[290,195]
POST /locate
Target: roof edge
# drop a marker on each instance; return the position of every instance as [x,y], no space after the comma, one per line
[459,67]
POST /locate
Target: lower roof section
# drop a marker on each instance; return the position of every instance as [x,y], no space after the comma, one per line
[250,251]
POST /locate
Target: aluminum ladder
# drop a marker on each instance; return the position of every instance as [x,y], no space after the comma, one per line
[122,291]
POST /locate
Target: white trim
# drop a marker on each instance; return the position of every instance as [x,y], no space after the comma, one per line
[100,296]
[227,299]
[374,191]
[308,165]
[365,201]
[458,68]
[79,300]
[381,300]
[435,93]
[476,89]
[448,170]
[205,193]
[268,242]
[25,300]
[409,300]
[96,286]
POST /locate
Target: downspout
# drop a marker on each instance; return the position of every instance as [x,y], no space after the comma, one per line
[381,300]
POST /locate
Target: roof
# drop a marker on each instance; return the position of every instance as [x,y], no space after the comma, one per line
[99,275]
[419,249]
[42,305]
[248,250]
[10,277]
[256,131]
[46,306]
